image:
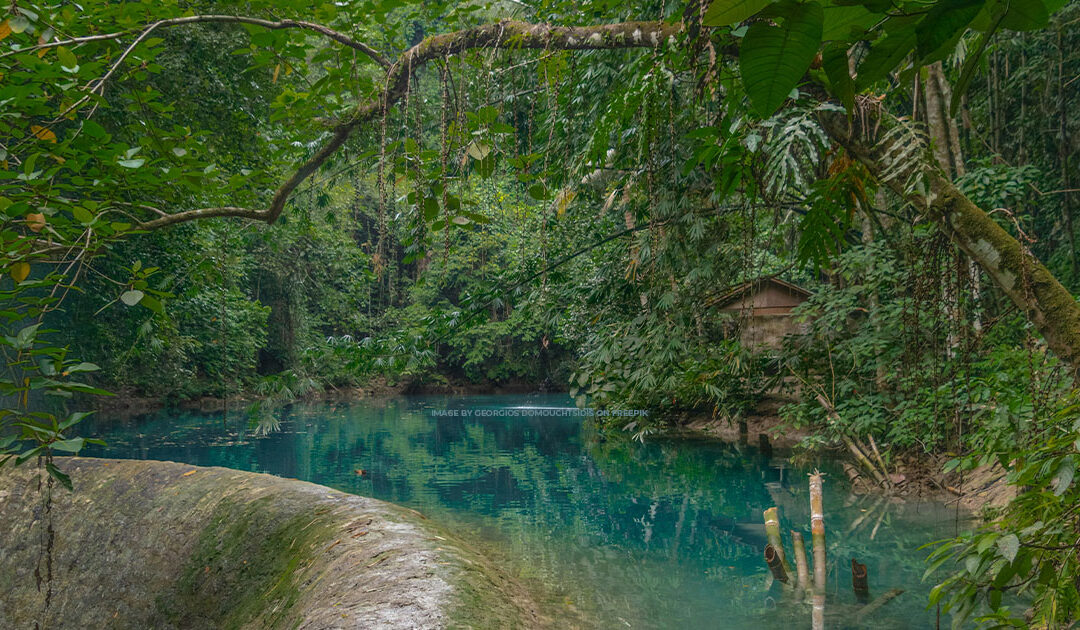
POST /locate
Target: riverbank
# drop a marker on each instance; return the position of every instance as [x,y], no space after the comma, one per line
[127,402]
[917,478]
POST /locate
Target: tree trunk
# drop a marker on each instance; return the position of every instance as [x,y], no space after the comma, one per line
[1014,269]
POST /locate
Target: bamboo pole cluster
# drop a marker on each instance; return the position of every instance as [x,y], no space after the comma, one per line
[814,588]
[775,556]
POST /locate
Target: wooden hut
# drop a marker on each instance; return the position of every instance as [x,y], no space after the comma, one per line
[762,311]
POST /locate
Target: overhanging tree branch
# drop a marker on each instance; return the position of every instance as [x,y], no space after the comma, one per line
[505,34]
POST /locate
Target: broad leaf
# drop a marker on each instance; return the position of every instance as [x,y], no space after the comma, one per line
[1008,545]
[942,26]
[67,58]
[884,55]
[152,303]
[834,60]
[773,59]
[846,23]
[725,12]
[59,475]
[1029,15]
[132,297]
[1063,478]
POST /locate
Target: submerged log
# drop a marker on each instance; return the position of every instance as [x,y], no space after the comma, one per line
[817,531]
[802,569]
[873,606]
[772,558]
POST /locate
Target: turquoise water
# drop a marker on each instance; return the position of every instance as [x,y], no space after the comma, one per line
[610,533]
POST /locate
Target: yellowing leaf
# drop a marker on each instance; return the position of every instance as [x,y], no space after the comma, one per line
[277,71]
[190,472]
[45,38]
[41,133]
[18,24]
[478,150]
[5,29]
[563,201]
[35,221]
[19,271]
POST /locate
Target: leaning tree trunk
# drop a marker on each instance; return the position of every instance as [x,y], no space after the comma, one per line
[1011,266]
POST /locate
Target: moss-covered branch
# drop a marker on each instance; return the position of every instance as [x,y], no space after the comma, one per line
[1011,266]
[505,34]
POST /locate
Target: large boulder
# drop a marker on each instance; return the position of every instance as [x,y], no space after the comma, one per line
[144,544]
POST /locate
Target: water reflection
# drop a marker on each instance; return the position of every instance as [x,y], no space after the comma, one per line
[667,534]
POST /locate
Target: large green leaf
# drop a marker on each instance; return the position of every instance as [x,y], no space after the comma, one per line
[942,26]
[1029,15]
[834,60]
[884,55]
[974,58]
[773,58]
[725,12]
[846,23]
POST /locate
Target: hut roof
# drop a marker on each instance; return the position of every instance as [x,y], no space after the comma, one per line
[753,287]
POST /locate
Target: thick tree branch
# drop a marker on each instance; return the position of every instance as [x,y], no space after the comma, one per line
[1012,267]
[202,213]
[505,34]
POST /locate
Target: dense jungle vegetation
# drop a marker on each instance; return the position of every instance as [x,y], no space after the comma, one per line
[272,199]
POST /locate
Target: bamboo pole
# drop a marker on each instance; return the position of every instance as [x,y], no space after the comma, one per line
[817,611]
[817,531]
[859,581]
[798,549]
[772,534]
[772,558]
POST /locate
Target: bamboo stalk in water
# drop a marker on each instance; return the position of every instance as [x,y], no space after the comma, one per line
[798,549]
[817,611]
[859,580]
[817,531]
[775,565]
[772,534]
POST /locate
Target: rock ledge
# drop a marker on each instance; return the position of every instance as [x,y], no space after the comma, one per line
[145,544]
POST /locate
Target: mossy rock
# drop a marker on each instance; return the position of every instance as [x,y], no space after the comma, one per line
[144,544]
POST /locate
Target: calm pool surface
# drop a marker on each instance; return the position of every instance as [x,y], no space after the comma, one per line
[612,533]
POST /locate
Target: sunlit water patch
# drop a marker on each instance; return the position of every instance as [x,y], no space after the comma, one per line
[611,533]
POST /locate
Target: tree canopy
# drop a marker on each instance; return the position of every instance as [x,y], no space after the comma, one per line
[520,189]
